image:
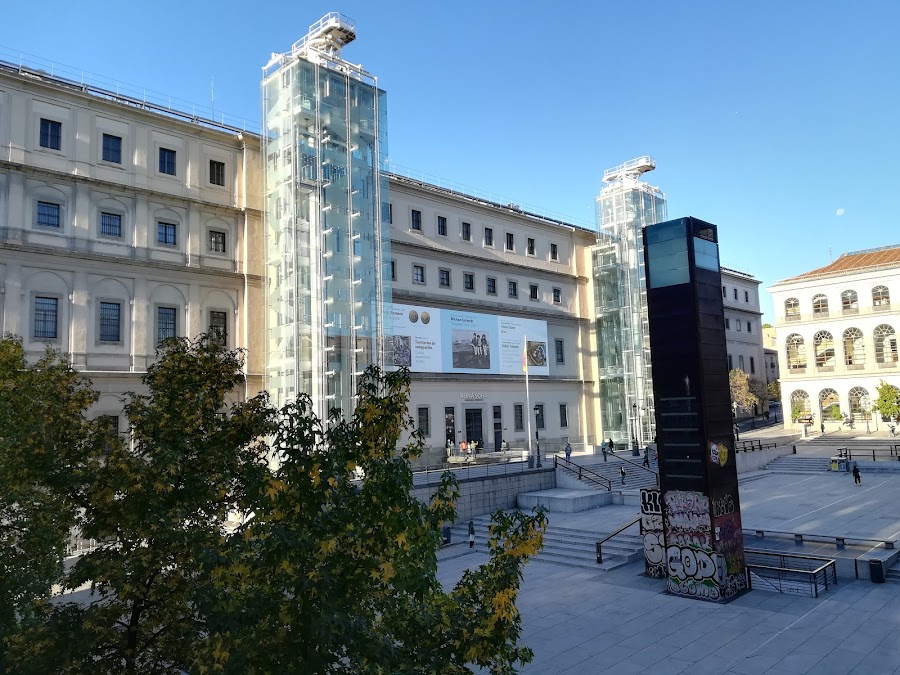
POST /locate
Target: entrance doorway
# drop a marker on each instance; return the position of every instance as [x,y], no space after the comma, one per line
[450,426]
[498,428]
[473,426]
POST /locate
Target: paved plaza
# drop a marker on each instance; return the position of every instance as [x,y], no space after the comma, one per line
[580,621]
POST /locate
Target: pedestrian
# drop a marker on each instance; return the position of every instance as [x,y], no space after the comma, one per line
[568,452]
[622,474]
[603,449]
[892,429]
[856,478]
[737,433]
[449,448]
[471,534]
[822,427]
[647,458]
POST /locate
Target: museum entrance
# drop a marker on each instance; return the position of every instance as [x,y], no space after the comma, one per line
[473,426]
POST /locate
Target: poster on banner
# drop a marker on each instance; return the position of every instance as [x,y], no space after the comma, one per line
[429,340]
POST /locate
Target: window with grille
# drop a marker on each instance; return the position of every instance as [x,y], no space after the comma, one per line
[849,302]
[560,351]
[166,234]
[533,291]
[112,149]
[442,226]
[110,224]
[218,327]
[792,309]
[166,323]
[519,417]
[108,426]
[47,214]
[418,274]
[46,318]
[110,322]
[881,298]
[444,278]
[488,236]
[216,172]
[557,296]
[51,134]
[466,232]
[512,289]
[469,281]
[491,286]
[167,161]
[216,241]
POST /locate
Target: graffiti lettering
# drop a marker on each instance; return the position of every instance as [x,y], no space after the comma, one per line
[650,501]
[706,590]
[653,548]
[691,563]
[651,523]
[723,506]
[696,539]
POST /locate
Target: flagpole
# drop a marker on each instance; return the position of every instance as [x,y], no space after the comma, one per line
[527,398]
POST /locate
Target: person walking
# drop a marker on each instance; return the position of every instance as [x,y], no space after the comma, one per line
[622,474]
[856,477]
[603,449]
[471,534]
[647,458]
[568,452]
[449,448]
[822,427]
[737,433]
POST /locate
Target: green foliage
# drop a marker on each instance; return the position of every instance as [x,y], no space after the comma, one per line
[760,390]
[774,390]
[797,410]
[217,561]
[835,413]
[888,401]
[767,325]
[739,382]
[46,448]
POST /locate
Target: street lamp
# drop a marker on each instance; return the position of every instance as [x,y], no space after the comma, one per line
[634,439]
[866,408]
[537,439]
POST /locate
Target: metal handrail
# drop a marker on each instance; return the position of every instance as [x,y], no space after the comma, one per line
[610,536]
[640,466]
[583,472]
[754,445]
[827,538]
[826,569]
[892,451]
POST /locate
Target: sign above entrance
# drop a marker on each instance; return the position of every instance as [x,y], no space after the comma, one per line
[473,395]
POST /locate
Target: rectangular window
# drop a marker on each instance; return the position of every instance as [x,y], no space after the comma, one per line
[424,421]
[563,415]
[166,234]
[491,285]
[738,324]
[416,223]
[47,214]
[466,232]
[468,281]
[741,361]
[512,289]
[444,278]
[46,314]
[724,292]
[112,149]
[442,226]
[735,294]
[216,172]
[510,242]
[110,224]
[110,322]
[218,327]
[108,426]
[727,323]
[216,241]
[391,214]
[554,252]
[393,270]
[418,274]
[560,350]
[167,161]
[557,296]
[533,291]
[539,416]
[730,363]
[530,246]
[519,417]
[752,366]
[748,327]
[165,323]
[489,236]
[746,296]
[51,134]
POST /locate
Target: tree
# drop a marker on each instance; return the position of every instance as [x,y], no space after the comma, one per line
[739,382]
[46,447]
[767,325]
[333,575]
[760,390]
[836,414]
[774,389]
[797,410]
[888,402]
[163,507]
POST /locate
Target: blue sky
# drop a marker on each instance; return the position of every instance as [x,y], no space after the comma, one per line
[764,118]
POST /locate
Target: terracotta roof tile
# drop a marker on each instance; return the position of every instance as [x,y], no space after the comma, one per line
[856,262]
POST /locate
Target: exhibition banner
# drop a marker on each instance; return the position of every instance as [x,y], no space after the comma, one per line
[428,340]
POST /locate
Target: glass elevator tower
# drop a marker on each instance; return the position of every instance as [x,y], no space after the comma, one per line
[327,236]
[625,206]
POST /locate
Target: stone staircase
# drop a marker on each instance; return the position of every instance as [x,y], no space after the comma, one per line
[566,546]
[636,477]
[800,465]
[893,574]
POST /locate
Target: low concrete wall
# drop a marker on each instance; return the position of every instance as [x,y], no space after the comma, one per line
[480,496]
[754,461]
[563,500]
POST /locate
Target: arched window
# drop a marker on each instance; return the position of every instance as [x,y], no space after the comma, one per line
[792,309]
[885,345]
[829,405]
[859,402]
[849,302]
[881,298]
[820,305]
[796,352]
[799,404]
[823,343]
[854,349]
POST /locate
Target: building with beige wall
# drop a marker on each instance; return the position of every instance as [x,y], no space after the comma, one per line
[471,258]
[121,224]
[743,323]
[836,330]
